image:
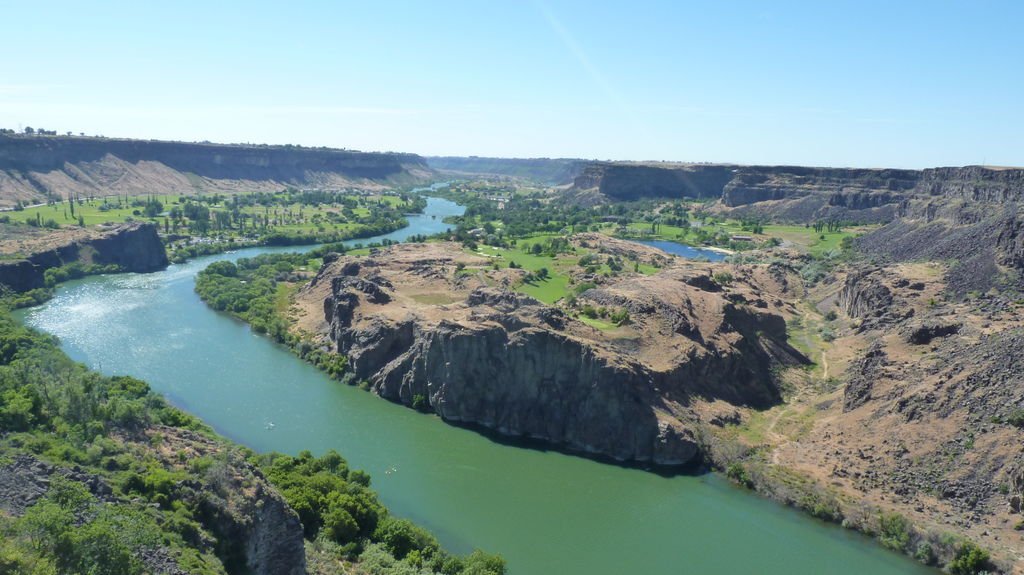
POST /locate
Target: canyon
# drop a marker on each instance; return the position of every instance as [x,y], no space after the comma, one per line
[35,169]
[794,193]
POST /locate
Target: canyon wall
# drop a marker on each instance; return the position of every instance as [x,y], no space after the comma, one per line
[795,193]
[133,247]
[34,168]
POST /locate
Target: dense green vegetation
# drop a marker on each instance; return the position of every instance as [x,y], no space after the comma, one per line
[161,484]
[58,411]
[337,507]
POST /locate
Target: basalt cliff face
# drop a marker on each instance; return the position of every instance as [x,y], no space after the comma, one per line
[795,193]
[133,247]
[983,241]
[623,181]
[33,169]
[503,361]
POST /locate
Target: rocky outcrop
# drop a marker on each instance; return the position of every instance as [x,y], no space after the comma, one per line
[134,247]
[34,169]
[924,333]
[254,530]
[976,183]
[626,181]
[513,365]
[983,244]
[257,532]
[514,372]
[26,479]
[20,276]
[865,296]
[862,375]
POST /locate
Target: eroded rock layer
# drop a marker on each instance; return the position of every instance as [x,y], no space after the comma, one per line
[797,193]
[35,169]
[430,325]
[133,247]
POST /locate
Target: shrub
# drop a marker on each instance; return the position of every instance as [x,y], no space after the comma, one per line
[723,278]
[619,317]
[969,560]
[925,553]
[419,402]
[738,473]
[1016,418]
[894,531]
[584,286]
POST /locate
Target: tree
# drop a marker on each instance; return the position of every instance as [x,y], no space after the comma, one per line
[153,208]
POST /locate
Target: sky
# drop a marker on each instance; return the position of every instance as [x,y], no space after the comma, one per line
[828,83]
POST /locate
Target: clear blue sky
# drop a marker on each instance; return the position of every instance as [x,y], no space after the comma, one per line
[907,84]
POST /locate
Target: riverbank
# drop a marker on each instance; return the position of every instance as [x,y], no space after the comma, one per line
[134,454]
[749,468]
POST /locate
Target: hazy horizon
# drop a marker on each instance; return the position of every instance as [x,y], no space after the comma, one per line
[914,85]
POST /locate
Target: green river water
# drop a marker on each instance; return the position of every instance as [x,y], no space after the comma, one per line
[545,512]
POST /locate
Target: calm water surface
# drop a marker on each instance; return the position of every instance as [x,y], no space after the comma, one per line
[684,251]
[545,512]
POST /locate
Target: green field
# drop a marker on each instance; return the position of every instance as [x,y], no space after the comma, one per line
[94,212]
[289,218]
[558,283]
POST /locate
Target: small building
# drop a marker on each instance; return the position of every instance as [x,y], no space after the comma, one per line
[741,238]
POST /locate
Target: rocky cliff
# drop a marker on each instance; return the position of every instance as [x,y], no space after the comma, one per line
[508,363]
[983,243]
[978,183]
[133,247]
[795,193]
[33,169]
[623,181]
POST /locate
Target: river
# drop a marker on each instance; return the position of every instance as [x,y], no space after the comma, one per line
[545,512]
